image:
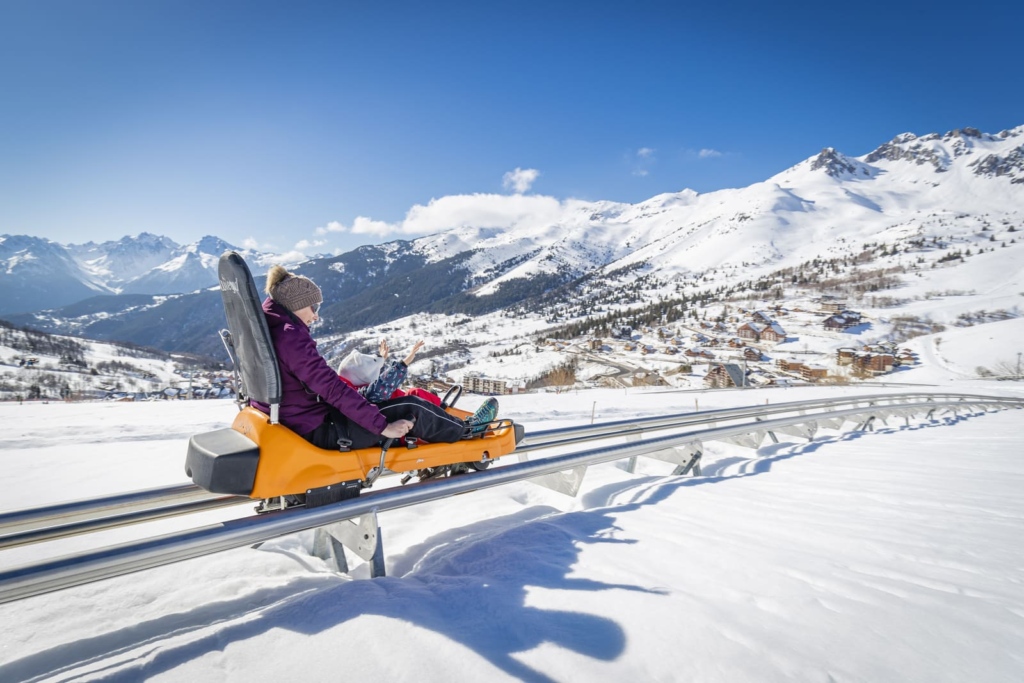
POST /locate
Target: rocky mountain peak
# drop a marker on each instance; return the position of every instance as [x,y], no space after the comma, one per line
[834,163]
[963,133]
[920,152]
[212,245]
[1010,165]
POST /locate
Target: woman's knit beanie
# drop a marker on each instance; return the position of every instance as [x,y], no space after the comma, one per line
[294,292]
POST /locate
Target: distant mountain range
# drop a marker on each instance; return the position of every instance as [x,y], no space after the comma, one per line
[829,206]
[37,273]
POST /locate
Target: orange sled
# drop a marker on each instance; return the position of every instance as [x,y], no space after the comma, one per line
[260,458]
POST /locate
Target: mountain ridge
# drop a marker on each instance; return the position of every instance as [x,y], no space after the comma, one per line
[38,274]
[829,206]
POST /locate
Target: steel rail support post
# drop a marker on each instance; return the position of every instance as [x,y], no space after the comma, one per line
[631,464]
[362,537]
[774,438]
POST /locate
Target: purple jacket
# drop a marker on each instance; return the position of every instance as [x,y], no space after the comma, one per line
[301,364]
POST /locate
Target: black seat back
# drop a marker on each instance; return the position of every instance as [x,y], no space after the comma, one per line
[248,341]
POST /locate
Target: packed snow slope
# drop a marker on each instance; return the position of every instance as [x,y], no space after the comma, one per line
[885,556]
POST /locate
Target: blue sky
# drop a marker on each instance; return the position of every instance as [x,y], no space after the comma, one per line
[279,124]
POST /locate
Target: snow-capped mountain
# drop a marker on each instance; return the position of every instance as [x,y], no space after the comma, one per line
[40,274]
[916,201]
[828,203]
[189,268]
[117,262]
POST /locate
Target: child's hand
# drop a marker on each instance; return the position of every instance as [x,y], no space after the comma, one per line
[412,354]
[383,349]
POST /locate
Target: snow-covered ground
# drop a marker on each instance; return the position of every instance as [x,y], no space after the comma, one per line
[885,556]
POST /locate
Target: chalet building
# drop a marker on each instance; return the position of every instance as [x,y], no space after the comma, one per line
[670,350]
[876,363]
[722,375]
[752,354]
[789,365]
[737,343]
[846,355]
[842,321]
[761,317]
[700,353]
[438,386]
[813,373]
[484,385]
[834,323]
[832,305]
[750,331]
[852,316]
[596,344]
[773,333]
[761,332]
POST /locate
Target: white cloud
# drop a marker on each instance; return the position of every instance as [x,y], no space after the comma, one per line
[462,210]
[251,243]
[333,226]
[520,179]
[458,211]
[306,245]
[642,161]
[291,258]
[481,211]
[367,226]
[709,153]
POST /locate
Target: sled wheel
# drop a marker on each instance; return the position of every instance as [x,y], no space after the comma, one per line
[451,396]
[478,466]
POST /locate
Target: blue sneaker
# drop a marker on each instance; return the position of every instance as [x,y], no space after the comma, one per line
[483,416]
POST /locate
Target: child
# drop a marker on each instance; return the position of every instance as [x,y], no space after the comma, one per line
[377,378]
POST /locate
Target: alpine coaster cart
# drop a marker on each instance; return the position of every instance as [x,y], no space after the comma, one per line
[260,458]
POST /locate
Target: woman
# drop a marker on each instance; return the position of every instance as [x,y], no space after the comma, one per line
[324,410]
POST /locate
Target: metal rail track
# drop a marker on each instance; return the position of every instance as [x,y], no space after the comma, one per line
[121,559]
[68,519]
[95,514]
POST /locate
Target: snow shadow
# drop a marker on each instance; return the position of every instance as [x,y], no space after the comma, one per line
[65,661]
[767,456]
[469,585]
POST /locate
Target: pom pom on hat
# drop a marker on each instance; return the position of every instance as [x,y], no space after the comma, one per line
[294,292]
